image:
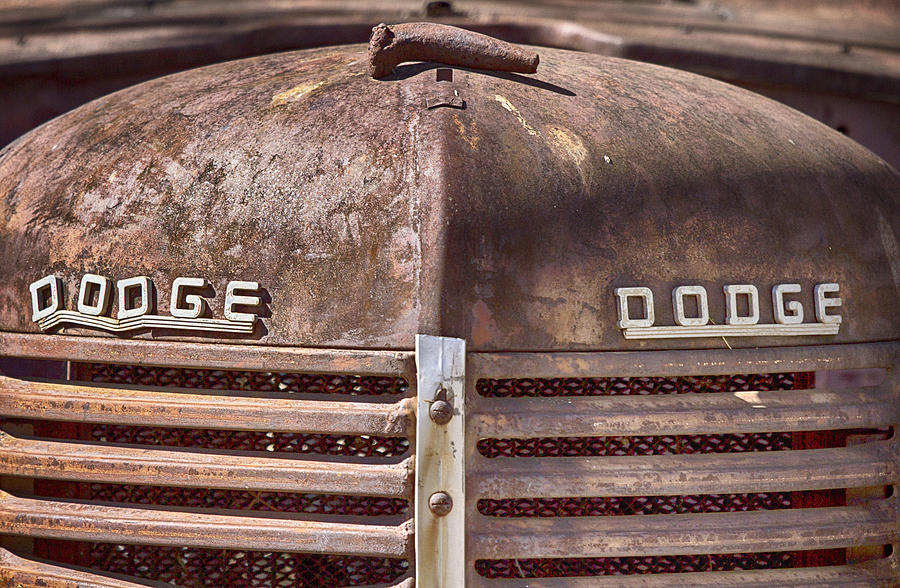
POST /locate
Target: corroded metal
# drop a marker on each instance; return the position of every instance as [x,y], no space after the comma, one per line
[195,355]
[509,223]
[549,483]
[685,363]
[98,404]
[810,528]
[110,463]
[872,464]
[77,521]
[440,464]
[794,410]
[440,504]
[18,572]
[440,412]
[392,45]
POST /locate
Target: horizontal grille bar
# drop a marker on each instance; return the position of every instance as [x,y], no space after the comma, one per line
[207,355]
[115,463]
[676,534]
[90,522]
[681,414]
[148,407]
[870,464]
[19,572]
[682,362]
[875,574]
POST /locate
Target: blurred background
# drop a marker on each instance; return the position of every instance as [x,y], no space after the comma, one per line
[836,60]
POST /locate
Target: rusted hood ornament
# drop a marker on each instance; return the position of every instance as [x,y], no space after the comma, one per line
[389,46]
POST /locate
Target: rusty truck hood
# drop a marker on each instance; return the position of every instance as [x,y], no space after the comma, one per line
[368,217]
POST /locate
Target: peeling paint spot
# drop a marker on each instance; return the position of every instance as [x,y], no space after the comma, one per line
[484,328]
[508,106]
[469,137]
[295,93]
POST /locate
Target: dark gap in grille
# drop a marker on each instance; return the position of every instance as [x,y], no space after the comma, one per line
[268,441]
[193,567]
[206,567]
[618,566]
[282,382]
[633,505]
[287,502]
[551,387]
[634,445]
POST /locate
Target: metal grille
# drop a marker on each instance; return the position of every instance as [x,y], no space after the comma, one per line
[635,445]
[296,479]
[187,567]
[560,466]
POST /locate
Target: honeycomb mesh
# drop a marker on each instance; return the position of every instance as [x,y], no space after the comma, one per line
[207,567]
[633,505]
[549,387]
[618,566]
[274,442]
[650,445]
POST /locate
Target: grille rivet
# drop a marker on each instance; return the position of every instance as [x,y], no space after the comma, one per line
[440,504]
[440,412]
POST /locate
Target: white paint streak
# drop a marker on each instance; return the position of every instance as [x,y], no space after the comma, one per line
[508,106]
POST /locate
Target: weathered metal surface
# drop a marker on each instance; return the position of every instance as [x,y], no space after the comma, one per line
[134,406]
[682,414]
[440,494]
[392,45]
[88,522]
[683,363]
[872,464]
[800,529]
[16,572]
[112,463]
[840,64]
[209,356]
[508,223]
[875,574]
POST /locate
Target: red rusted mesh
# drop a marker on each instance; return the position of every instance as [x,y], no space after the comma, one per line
[633,505]
[205,567]
[274,442]
[240,380]
[634,445]
[646,445]
[618,566]
[324,504]
[529,387]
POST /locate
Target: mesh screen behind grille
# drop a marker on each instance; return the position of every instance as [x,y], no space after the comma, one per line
[206,567]
[651,445]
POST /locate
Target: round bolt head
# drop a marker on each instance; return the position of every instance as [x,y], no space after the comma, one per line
[440,412]
[440,504]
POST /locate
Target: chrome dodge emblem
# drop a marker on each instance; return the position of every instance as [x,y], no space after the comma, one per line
[788,314]
[135,301]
